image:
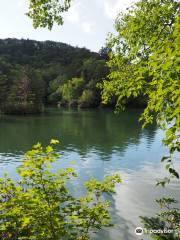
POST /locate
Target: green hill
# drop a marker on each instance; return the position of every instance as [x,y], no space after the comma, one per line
[36,73]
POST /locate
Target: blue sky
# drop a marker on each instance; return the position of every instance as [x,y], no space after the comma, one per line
[86,23]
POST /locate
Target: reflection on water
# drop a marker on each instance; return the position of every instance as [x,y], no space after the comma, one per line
[100,143]
[80,130]
[135,197]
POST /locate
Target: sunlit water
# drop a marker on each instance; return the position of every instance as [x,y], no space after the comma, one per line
[97,143]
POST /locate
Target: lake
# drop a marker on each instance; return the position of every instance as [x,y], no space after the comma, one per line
[97,143]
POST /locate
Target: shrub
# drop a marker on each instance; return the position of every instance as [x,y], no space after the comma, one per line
[41,206]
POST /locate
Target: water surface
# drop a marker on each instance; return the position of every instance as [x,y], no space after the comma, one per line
[100,143]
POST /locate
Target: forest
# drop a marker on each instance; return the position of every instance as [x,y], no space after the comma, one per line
[35,74]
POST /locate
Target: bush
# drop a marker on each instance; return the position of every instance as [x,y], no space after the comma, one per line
[40,205]
[72,90]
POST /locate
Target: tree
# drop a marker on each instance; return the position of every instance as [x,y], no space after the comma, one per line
[95,70]
[145,62]
[88,99]
[72,90]
[53,90]
[40,69]
[167,221]
[41,206]
[3,88]
[104,52]
[45,13]
[25,94]
[4,82]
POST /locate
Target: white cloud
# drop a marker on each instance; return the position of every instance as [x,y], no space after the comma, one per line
[76,15]
[73,14]
[88,27]
[113,7]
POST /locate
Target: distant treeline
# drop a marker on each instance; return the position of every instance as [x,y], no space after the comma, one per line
[34,74]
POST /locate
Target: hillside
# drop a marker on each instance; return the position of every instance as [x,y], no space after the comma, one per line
[36,73]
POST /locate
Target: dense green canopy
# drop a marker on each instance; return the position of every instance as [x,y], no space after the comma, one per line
[34,73]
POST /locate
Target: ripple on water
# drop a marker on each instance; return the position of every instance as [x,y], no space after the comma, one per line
[7,158]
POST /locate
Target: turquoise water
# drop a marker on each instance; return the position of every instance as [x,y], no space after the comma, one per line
[99,143]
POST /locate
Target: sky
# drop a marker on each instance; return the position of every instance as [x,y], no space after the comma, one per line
[86,24]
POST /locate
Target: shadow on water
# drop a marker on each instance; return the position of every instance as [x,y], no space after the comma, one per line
[82,131]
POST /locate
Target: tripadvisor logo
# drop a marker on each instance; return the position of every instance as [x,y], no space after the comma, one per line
[139,231]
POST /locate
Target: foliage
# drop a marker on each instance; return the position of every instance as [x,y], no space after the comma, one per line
[145,62]
[83,91]
[45,13]
[87,99]
[41,206]
[168,219]
[95,70]
[47,67]
[104,52]
[22,89]
[72,89]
